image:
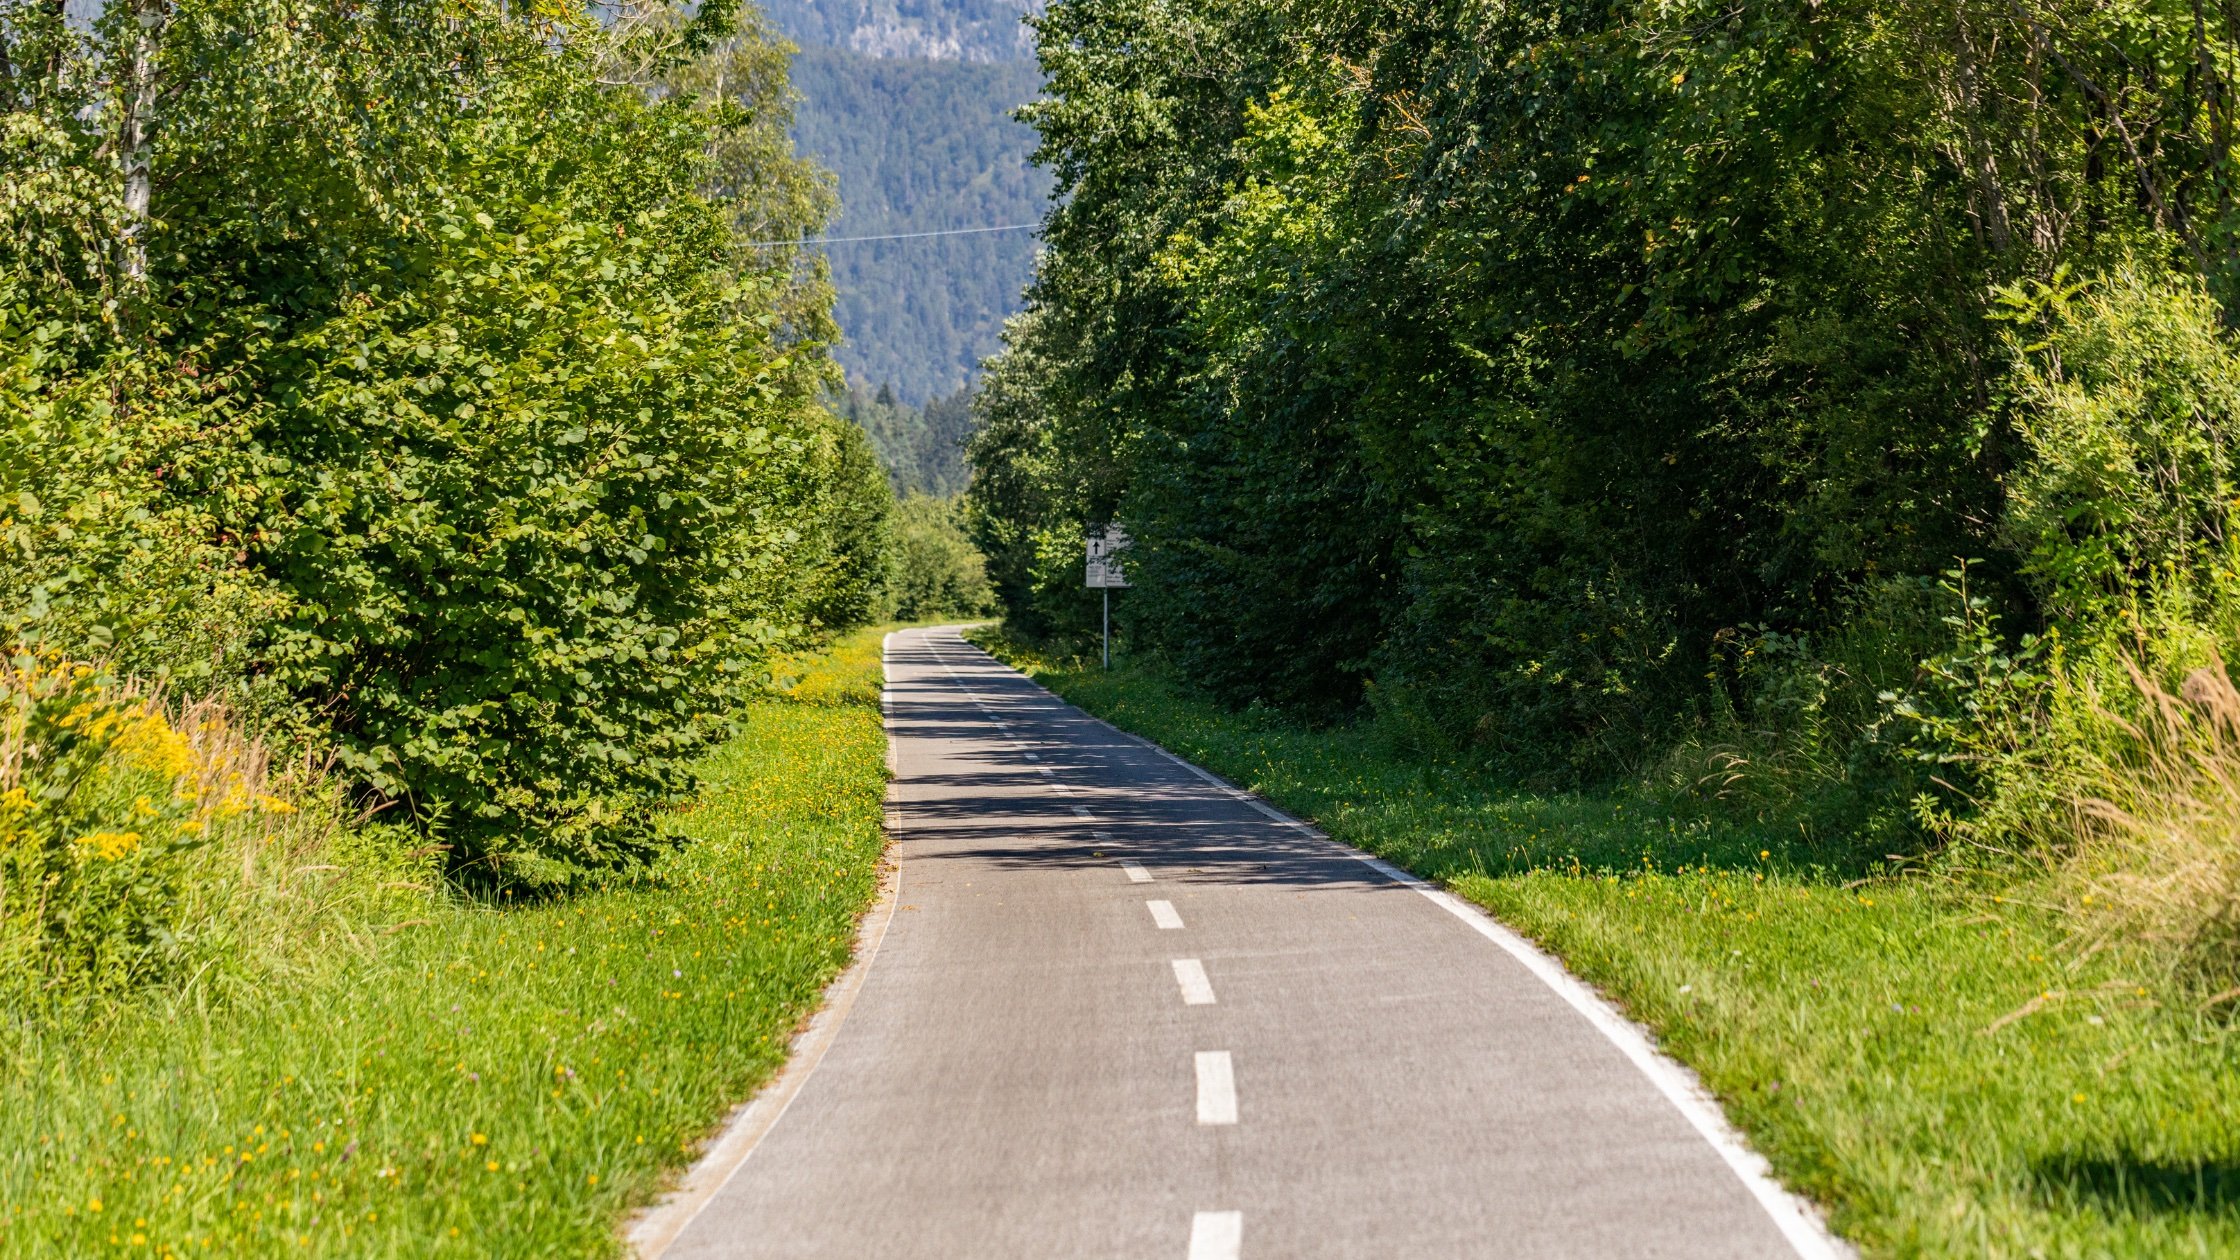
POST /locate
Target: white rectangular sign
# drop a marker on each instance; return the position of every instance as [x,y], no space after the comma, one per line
[1105,546]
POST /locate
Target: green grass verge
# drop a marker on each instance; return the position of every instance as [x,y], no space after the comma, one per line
[1930,1061]
[476,1081]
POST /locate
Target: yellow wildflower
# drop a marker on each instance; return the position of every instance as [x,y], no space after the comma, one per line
[110,845]
[149,743]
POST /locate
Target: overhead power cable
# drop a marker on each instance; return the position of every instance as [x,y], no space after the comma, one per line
[896,236]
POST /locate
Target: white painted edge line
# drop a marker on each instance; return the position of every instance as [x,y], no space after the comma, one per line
[659,1226]
[1217,1087]
[1190,976]
[1798,1221]
[1162,913]
[1797,1218]
[1216,1236]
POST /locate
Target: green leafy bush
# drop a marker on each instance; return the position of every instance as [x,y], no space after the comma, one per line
[2127,403]
[425,398]
[518,506]
[936,571]
[98,558]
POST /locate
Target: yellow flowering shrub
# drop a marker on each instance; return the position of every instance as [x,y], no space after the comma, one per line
[104,794]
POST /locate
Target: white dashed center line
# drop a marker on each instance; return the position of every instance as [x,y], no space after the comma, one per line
[1213,1235]
[1217,1088]
[1216,1235]
[1190,974]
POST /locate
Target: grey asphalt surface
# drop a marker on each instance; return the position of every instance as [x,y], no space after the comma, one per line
[1017,1077]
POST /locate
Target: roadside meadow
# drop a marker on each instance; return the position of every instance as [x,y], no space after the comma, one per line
[411,1071]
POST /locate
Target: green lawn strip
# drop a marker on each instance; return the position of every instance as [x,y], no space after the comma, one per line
[481,1082]
[1842,1024]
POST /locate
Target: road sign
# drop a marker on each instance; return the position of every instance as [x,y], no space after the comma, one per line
[1106,574]
[1105,546]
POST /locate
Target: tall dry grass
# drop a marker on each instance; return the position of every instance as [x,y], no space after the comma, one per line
[2155,864]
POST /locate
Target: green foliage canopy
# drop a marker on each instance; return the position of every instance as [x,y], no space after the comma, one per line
[1505,366]
[407,361]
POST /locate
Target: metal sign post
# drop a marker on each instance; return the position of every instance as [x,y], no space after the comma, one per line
[1105,573]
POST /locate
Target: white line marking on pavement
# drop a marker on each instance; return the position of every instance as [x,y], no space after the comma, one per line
[1032,757]
[1217,1088]
[1190,975]
[1047,770]
[1680,1087]
[1162,913]
[1136,873]
[1799,1222]
[1082,813]
[1184,764]
[1216,1236]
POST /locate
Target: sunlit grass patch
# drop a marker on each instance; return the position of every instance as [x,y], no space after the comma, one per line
[1935,1062]
[468,1079]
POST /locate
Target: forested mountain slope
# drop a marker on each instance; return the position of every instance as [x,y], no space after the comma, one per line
[953,30]
[922,448]
[912,112]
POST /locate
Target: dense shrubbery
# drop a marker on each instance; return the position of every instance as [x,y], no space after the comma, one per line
[399,376]
[1820,409]
[935,570]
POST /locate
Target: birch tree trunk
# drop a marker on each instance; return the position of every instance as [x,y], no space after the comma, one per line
[136,127]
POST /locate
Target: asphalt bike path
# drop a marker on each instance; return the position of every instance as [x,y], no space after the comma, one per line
[1119,1009]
